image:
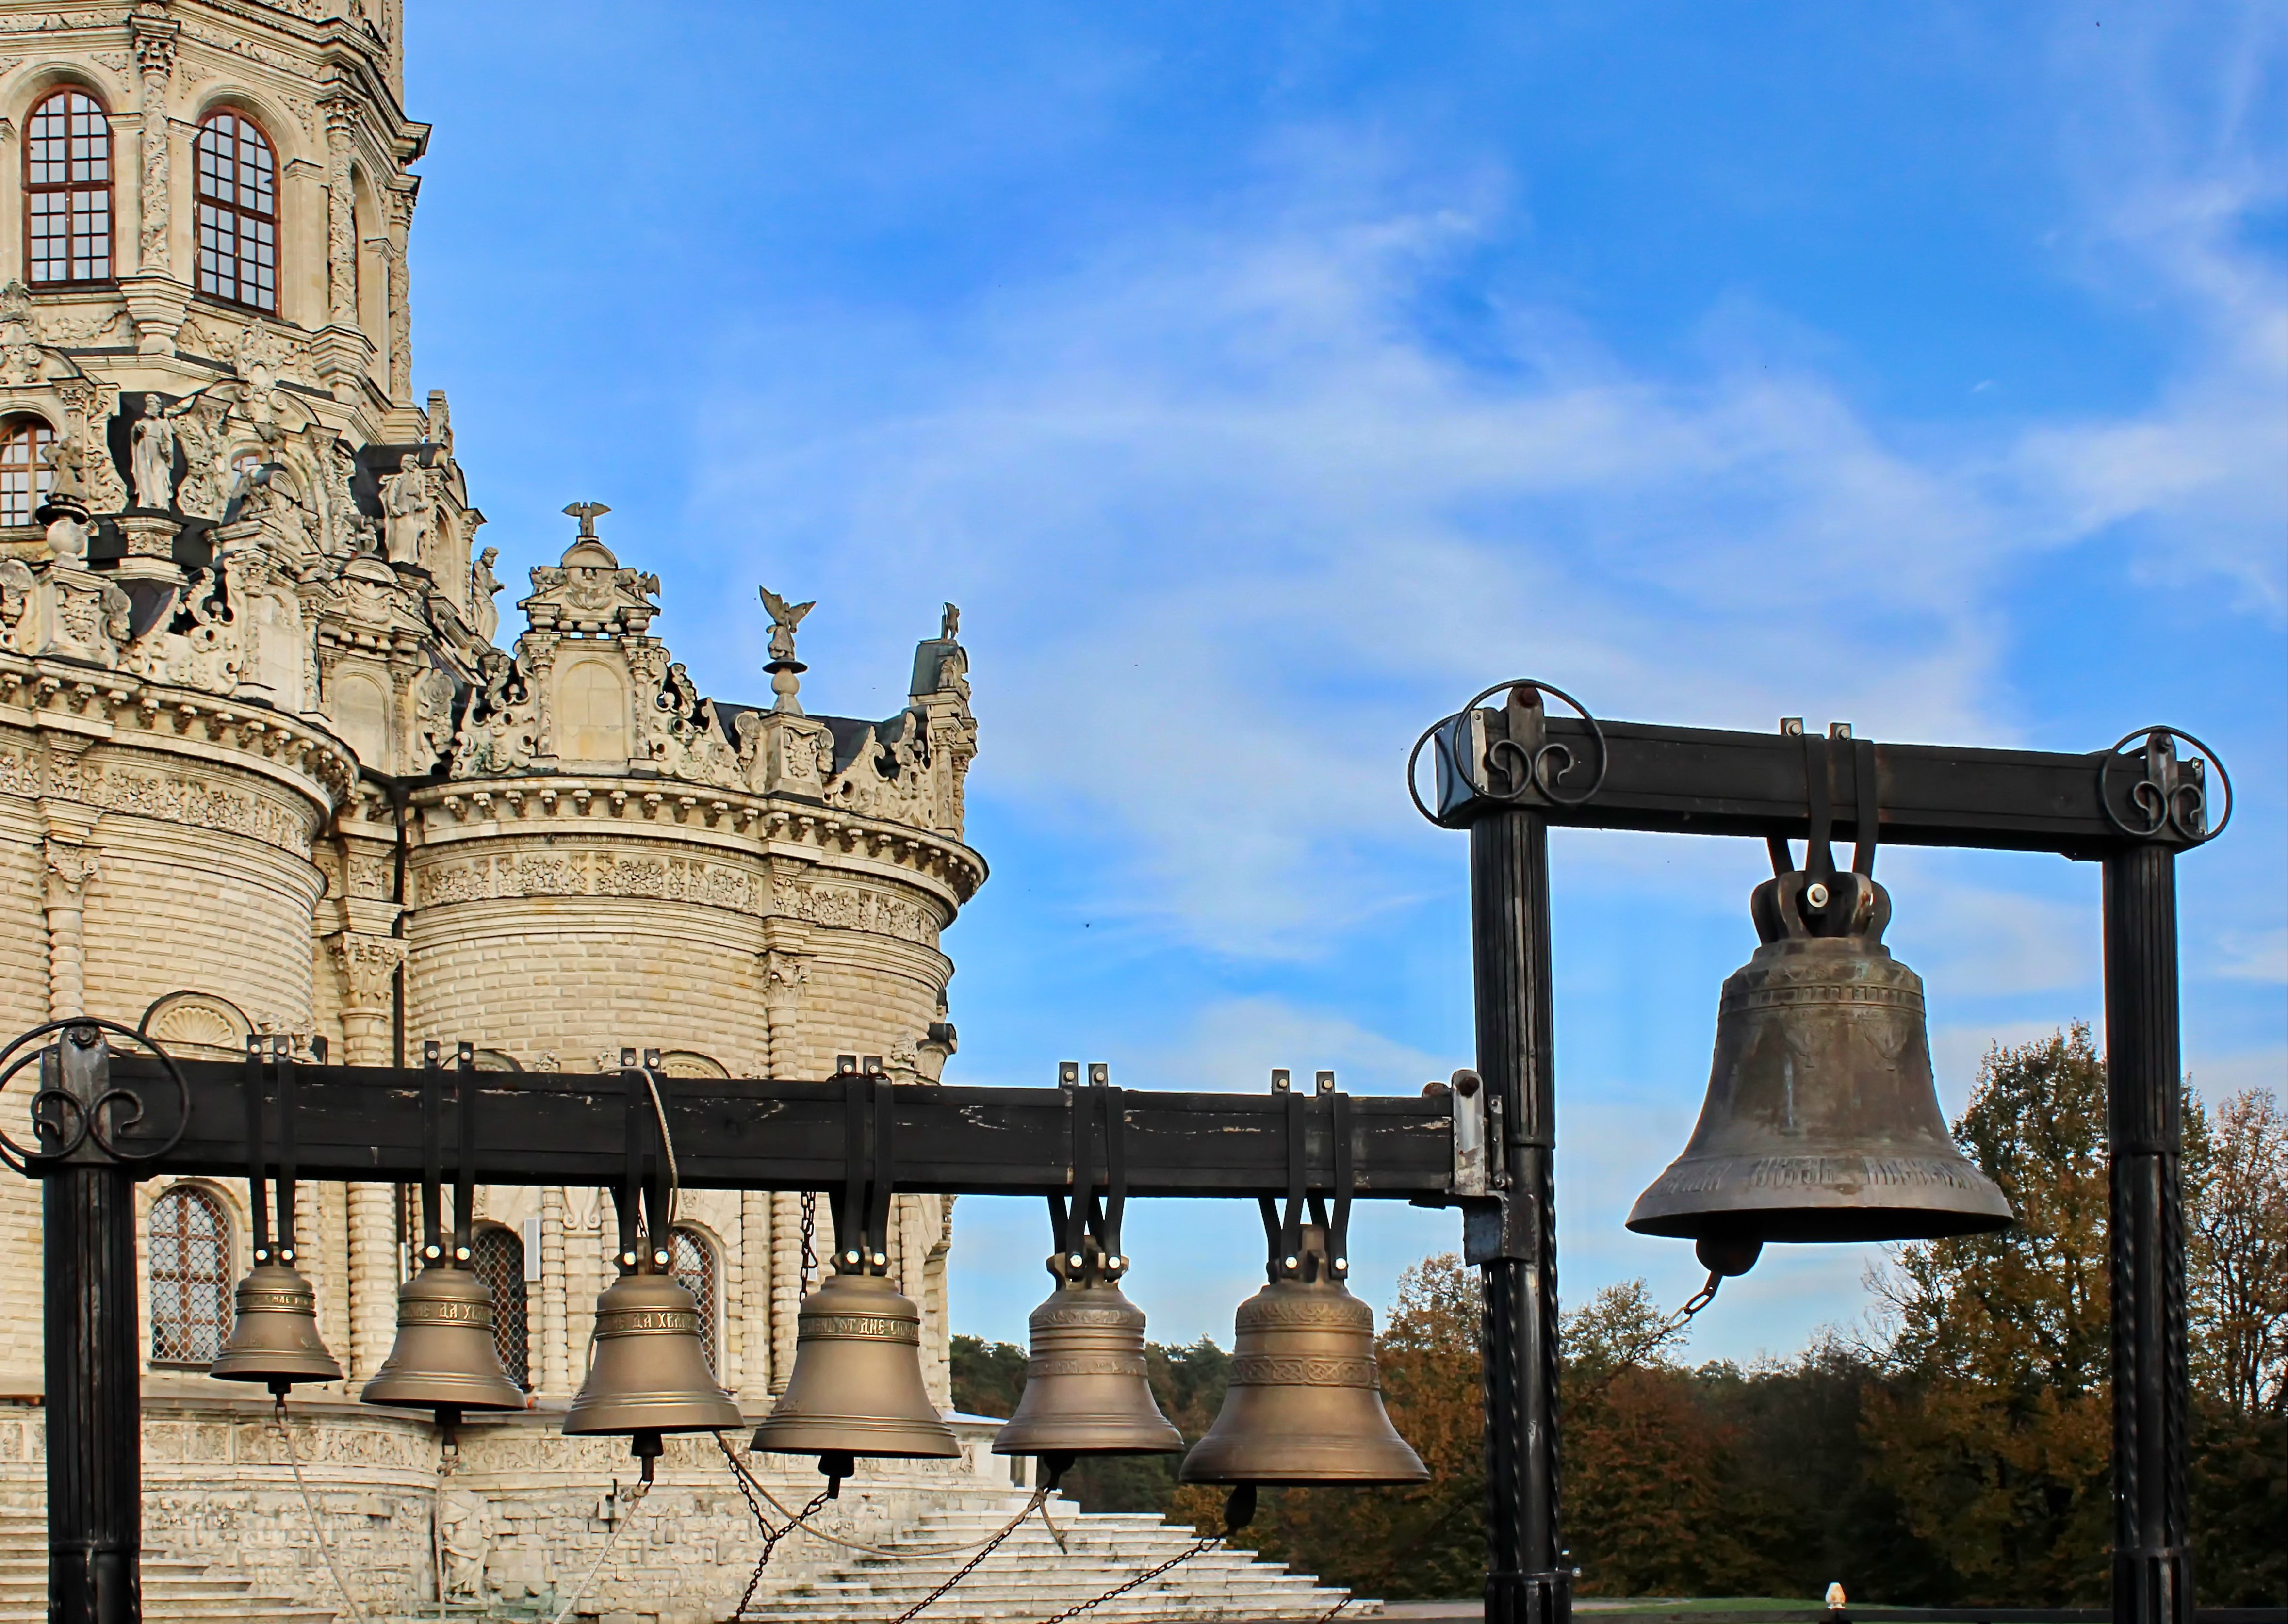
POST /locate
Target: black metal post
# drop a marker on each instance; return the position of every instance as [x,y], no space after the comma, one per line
[1528,1579]
[93,1399]
[2152,1575]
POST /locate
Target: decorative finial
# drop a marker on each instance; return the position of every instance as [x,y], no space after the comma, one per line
[784,666]
[587,513]
[950,628]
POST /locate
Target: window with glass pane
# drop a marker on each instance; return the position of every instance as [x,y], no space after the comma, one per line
[67,190]
[238,213]
[496,1254]
[25,475]
[190,1277]
[693,1262]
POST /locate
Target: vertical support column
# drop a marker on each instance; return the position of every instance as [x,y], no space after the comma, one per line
[402,190]
[1526,1578]
[755,1278]
[70,868]
[2152,1577]
[95,1446]
[369,965]
[341,215]
[154,39]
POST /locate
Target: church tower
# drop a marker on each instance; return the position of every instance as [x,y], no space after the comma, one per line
[269,764]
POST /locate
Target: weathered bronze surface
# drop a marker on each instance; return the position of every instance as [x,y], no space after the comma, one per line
[275,1336]
[856,1386]
[1305,1403]
[1086,1391]
[649,1372]
[1822,1120]
[444,1356]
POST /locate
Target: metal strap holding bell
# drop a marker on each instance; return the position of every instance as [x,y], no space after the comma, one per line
[274,1335]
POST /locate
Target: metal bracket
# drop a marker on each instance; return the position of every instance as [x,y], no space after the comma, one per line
[1472,1176]
[1498,1229]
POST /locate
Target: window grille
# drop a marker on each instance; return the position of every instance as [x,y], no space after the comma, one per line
[497,1257]
[238,213]
[190,1277]
[693,1262]
[67,191]
[25,475]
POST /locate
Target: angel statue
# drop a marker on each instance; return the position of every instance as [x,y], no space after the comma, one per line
[783,665]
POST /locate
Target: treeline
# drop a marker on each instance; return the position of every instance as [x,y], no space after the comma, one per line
[1958,1453]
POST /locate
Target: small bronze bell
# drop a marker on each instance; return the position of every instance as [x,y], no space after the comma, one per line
[650,1373]
[444,1358]
[856,1386]
[1822,1120]
[1305,1403]
[274,1338]
[1086,1391]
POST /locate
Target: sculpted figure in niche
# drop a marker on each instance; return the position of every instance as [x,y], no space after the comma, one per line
[405,499]
[465,1527]
[151,455]
[483,586]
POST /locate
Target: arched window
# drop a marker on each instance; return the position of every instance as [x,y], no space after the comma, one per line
[497,1257]
[238,211]
[693,1262]
[24,471]
[67,190]
[190,1277]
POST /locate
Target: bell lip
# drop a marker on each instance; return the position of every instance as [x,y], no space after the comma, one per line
[441,1400]
[610,1424]
[1039,1438]
[1364,1478]
[831,1436]
[1801,1224]
[291,1367]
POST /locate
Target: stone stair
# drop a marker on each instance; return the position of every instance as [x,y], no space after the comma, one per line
[172,1590]
[1030,1577]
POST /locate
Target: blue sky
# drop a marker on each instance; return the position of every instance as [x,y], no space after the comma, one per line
[1264,379]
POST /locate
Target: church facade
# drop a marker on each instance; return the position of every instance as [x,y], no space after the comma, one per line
[269,765]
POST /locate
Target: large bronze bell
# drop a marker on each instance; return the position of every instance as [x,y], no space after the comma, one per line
[273,1337]
[856,1386]
[1086,1391]
[1305,1403]
[1821,1121]
[649,1374]
[445,1358]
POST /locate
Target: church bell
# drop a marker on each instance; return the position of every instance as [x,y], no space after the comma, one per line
[856,1386]
[273,1336]
[649,1374]
[445,1358]
[1086,1391]
[1304,1403]
[1822,1120]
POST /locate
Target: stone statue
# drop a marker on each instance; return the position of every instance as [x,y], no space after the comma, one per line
[464,1529]
[405,499]
[950,627]
[785,670]
[151,457]
[483,586]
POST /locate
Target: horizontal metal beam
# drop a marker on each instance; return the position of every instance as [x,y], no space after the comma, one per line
[1694,780]
[364,1123]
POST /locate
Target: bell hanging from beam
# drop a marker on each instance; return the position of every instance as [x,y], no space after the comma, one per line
[274,1333]
[1822,1120]
[649,1373]
[856,1386]
[1087,1390]
[445,1358]
[1304,1403]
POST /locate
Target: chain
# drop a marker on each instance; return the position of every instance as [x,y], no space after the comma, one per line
[1345,1601]
[771,1536]
[960,1573]
[1148,1573]
[809,1240]
[1660,1333]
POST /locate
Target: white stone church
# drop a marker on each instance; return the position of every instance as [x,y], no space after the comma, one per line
[265,768]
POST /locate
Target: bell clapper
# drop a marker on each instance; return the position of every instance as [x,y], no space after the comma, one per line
[646,1446]
[1054,1467]
[835,1464]
[1238,1508]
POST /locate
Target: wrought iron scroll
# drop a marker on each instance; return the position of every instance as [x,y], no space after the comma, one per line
[86,1119]
[1535,770]
[2170,802]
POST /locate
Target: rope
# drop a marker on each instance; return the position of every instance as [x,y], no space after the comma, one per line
[667,1142]
[278,1419]
[635,1504]
[1040,1497]
[1200,1545]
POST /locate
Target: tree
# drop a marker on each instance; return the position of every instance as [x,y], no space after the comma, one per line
[1996,1435]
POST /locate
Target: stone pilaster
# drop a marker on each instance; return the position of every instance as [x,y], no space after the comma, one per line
[756,1365]
[70,866]
[341,213]
[555,1348]
[786,1279]
[154,35]
[368,967]
[784,975]
[400,203]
